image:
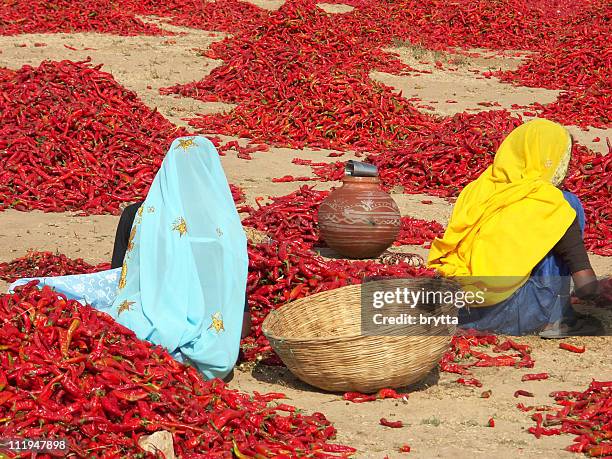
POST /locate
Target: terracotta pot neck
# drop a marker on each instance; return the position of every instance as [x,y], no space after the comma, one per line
[349,179]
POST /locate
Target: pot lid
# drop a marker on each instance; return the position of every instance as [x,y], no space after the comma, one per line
[360,169]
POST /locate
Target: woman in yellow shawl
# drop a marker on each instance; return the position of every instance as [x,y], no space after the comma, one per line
[515,236]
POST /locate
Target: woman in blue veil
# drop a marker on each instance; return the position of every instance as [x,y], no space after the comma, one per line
[184,274]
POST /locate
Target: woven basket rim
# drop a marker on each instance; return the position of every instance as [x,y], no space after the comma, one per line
[335,339]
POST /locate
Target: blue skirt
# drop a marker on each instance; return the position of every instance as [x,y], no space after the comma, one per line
[544,299]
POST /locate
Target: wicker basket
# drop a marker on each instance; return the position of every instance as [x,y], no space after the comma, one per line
[320,340]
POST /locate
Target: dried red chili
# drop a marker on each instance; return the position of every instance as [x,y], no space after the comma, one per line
[389,393]
[463,348]
[102,403]
[469,382]
[42,264]
[534,377]
[20,17]
[392,424]
[522,393]
[357,397]
[585,415]
[572,348]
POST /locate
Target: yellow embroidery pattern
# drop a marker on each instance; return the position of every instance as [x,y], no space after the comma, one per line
[140,210]
[123,276]
[125,306]
[185,144]
[217,322]
[180,225]
[130,245]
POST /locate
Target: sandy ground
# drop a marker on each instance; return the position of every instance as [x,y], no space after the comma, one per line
[433,427]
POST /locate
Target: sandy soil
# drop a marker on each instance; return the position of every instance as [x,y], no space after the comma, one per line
[144,64]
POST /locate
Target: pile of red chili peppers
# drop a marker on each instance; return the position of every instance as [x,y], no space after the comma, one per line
[587,415]
[40,16]
[73,139]
[578,62]
[70,372]
[219,15]
[43,264]
[289,218]
[467,351]
[287,96]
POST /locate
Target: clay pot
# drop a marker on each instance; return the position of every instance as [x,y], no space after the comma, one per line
[359,220]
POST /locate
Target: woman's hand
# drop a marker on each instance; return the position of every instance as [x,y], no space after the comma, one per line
[586,285]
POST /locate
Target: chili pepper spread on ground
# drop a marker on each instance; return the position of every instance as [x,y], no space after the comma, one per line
[294,218]
[287,97]
[586,415]
[42,264]
[468,351]
[333,103]
[87,145]
[105,147]
[69,371]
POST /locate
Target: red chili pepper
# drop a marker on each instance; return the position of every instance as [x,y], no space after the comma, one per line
[67,337]
[469,382]
[328,448]
[131,395]
[389,393]
[223,418]
[5,397]
[523,393]
[404,449]
[392,424]
[284,407]
[491,422]
[357,397]
[3,380]
[572,348]
[600,450]
[534,376]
